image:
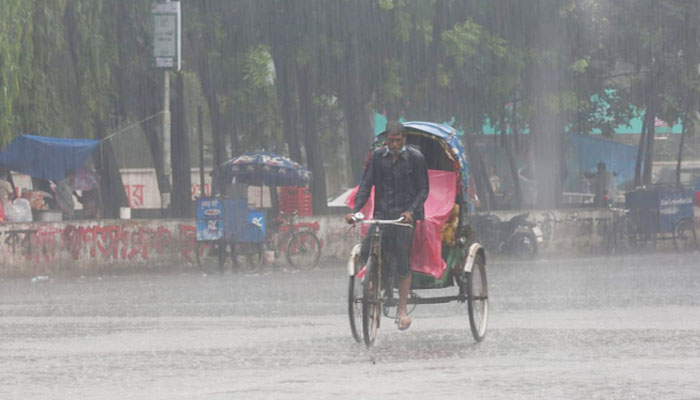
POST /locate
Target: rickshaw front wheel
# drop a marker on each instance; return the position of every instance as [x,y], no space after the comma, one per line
[371,307]
[355,307]
[477,298]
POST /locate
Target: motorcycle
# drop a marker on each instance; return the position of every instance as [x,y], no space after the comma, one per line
[517,236]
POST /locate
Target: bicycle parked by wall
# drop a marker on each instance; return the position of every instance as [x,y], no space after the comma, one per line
[301,247]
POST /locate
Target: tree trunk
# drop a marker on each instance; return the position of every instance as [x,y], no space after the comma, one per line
[511,158]
[434,103]
[182,178]
[649,147]
[201,40]
[282,47]
[680,152]
[547,124]
[111,185]
[357,128]
[640,150]
[73,40]
[314,157]
[476,171]
[285,92]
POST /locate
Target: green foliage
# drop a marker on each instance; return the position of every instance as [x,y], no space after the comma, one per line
[392,88]
[463,40]
[484,58]
[15,42]
[257,71]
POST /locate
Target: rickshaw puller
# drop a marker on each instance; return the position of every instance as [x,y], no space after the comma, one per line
[399,175]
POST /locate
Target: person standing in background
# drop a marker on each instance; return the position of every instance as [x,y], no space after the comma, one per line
[64,194]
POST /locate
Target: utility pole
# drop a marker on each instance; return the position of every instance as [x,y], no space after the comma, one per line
[166,50]
[167,165]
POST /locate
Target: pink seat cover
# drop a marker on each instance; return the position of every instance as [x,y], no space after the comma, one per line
[426,253]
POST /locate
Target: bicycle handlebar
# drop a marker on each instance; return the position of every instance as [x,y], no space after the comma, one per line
[359,217]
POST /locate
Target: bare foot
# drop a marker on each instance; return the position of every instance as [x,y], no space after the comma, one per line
[404,322]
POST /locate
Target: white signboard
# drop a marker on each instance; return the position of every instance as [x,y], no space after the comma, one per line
[166,34]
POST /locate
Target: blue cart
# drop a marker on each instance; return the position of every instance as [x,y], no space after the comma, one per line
[228,227]
[662,213]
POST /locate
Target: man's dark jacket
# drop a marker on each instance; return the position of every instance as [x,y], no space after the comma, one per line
[398,187]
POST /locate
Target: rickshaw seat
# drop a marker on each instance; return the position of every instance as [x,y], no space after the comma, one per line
[426,254]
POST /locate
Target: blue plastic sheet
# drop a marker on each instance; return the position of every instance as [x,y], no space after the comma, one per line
[46,157]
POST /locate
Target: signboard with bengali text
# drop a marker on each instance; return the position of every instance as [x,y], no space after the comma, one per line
[167,22]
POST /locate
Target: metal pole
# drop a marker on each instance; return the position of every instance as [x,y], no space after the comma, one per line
[165,194]
[201,152]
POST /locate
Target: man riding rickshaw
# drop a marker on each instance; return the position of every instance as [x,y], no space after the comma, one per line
[419,234]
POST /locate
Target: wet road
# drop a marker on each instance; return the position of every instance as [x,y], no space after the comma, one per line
[618,328]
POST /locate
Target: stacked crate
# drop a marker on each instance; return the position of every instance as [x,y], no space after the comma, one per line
[295,198]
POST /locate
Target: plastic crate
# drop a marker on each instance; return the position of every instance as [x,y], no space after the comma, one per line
[295,198]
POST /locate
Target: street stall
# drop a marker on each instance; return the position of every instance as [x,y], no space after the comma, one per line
[224,222]
[46,158]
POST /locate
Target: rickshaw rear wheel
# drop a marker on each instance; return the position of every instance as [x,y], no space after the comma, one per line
[355,307]
[684,237]
[371,307]
[477,298]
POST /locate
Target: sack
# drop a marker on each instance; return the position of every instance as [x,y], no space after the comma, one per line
[18,210]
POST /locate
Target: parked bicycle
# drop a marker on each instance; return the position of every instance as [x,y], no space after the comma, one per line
[301,247]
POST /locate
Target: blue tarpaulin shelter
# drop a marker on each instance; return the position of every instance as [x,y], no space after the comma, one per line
[618,157]
[46,157]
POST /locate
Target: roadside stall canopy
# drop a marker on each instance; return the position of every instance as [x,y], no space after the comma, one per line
[46,157]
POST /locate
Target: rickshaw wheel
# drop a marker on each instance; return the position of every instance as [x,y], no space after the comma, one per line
[355,307]
[371,307]
[684,237]
[477,298]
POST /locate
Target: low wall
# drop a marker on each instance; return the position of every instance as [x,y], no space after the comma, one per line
[87,246]
[42,248]
[83,247]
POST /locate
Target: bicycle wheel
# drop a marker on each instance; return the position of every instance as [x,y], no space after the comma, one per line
[303,250]
[684,238]
[371,307]
[477,298]
[355,307]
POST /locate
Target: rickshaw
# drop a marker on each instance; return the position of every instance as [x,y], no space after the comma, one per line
[662,212]
[445,254]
